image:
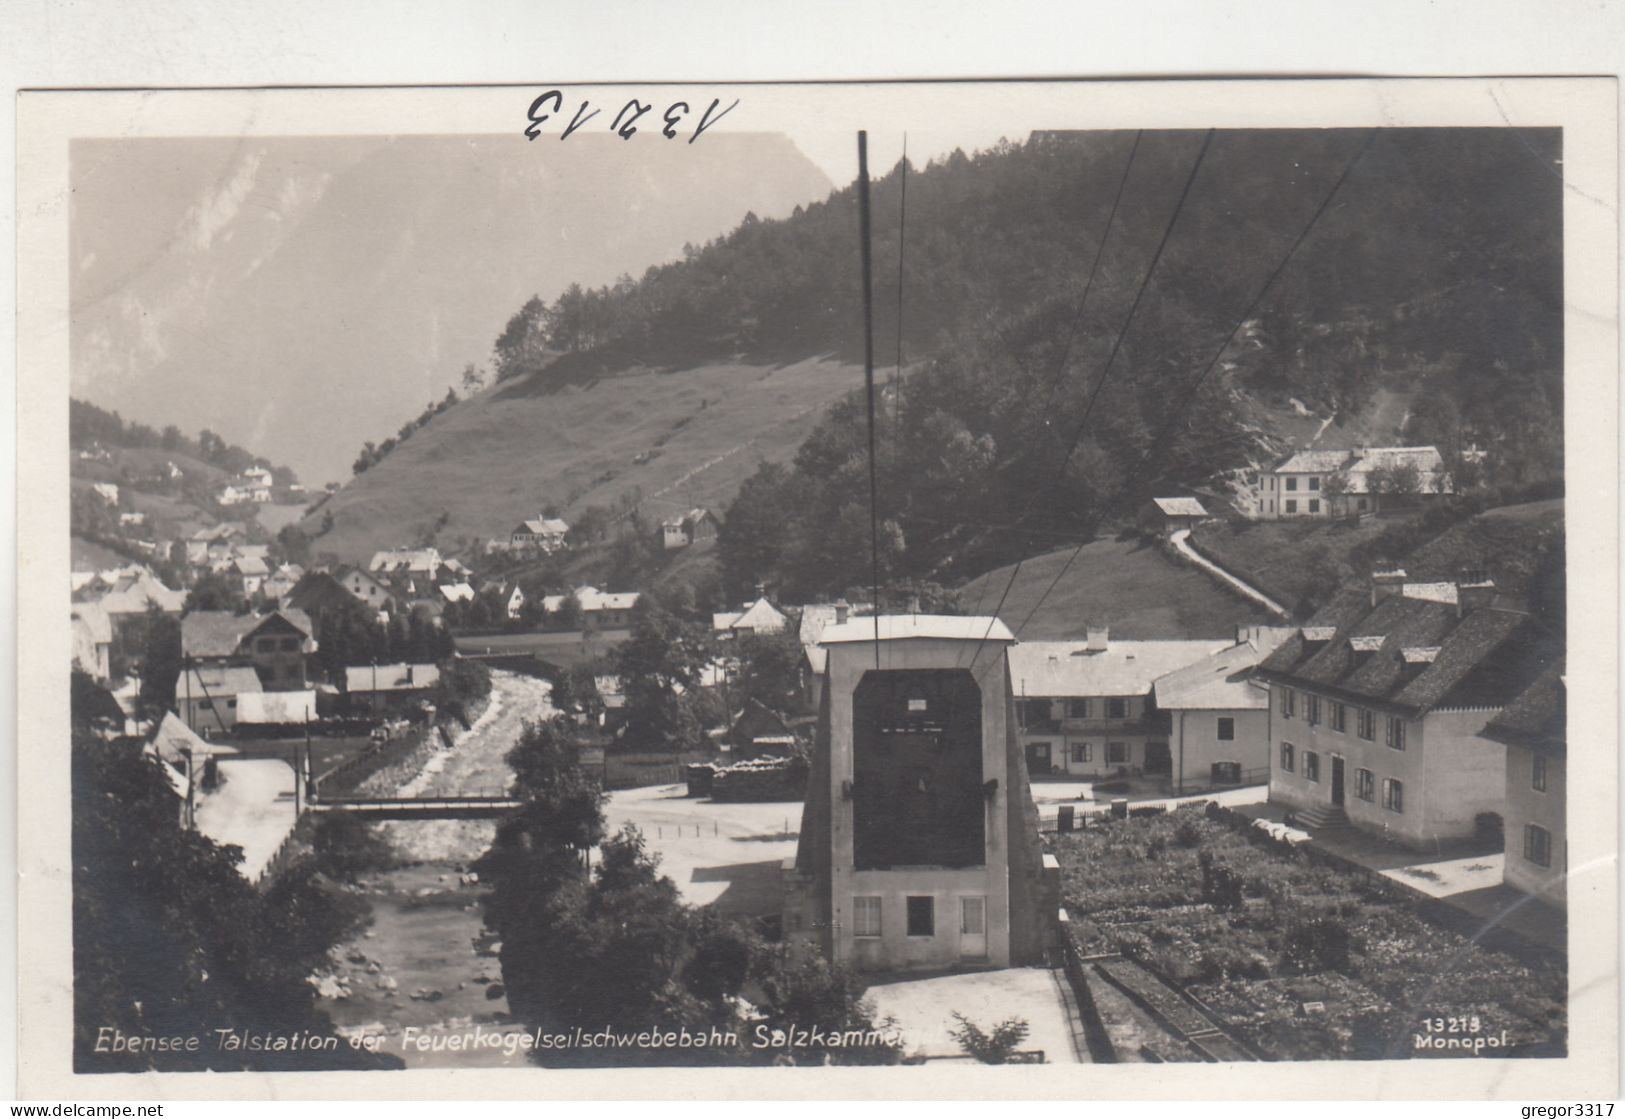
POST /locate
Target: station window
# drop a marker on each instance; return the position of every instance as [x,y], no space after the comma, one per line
[1311,765]
[1538,777]
[1537,845]
[1365,785]
[1393,795]
[866,917]
[1286,757]
[922,916]
[1227,729]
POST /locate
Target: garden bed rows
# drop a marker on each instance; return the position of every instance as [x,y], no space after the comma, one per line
[1298,959]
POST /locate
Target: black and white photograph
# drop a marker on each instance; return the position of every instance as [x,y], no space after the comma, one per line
[765,578]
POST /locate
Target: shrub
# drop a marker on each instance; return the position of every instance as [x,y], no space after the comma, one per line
[995,1048]
[1188,834]
[1318,944]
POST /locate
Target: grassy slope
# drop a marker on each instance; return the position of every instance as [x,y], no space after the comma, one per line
[1277,556]
[503,455]
[1135,588]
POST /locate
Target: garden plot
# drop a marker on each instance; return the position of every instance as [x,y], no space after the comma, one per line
[1297,959]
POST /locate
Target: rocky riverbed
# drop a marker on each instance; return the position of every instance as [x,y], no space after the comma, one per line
[425,971]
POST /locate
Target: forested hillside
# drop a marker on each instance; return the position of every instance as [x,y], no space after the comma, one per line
[1061,310]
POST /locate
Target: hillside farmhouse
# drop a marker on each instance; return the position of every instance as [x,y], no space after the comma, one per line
[599,608]
[424,562]
[1378,703]
[1330,484]
[543,534]
[690,528]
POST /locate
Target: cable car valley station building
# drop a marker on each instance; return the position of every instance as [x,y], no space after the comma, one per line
[919,841]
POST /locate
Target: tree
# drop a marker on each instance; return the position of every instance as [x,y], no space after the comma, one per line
[294,545]
[769,668]
[92,707]
[160,664]
[797,984]
[170,939]
[522,345]
[473,378]
[660,665]
[215,591]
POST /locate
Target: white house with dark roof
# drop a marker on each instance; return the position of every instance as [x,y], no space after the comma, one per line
[760,616]
[1085,708]
[1167,515]
[688,528]
[1348,483]
[545,534]
[605,609]
[1218,715]
[1534,730]
[1376,710]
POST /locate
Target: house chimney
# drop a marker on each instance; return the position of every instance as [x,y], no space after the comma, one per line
[1387,580]
[841,611]
[1474,591]
[1099,638]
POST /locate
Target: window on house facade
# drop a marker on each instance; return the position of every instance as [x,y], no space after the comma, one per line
[1396,733]
[1314,505]
[1366,723]
[1292,483]
[1365,785]
[865,916]
[922,916]
[266,644]
[1227,729]
[206,705]
[1286,757]
[1393,795]
[1538,777]
[1117,753]
[1537,845]
[1314,485]
[1117,709]
[1311,706]
[1077,709]
[1311,765]
[1364,505]
[1288,702]
[1340,715]
[1034,712]
[1081,752]
[1291,506]
[290,644]
[231,705]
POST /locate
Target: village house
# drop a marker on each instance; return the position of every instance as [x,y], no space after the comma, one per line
[126,595]
[1533,728]
[107,491]
[457,592]
[274,645]
[758,617]
[424,562]
[759,731]
[208,543]
[1085,708]
[1168,515]
[507,597]
[207,695]
[599,608]
[281,582]
[815,618]
[131,520]
[389,689]
[1376,707]
[1218,715]
[918,846]
[248,573]
[1329,484]
[689,528]
[231,494]
[543,534]
[93,640]
[371,592]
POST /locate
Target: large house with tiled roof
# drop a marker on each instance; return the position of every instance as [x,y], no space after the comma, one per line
[1218,715]
[1376,707]
[1327,484]
[274,645]
[1533,728]
[1084,708]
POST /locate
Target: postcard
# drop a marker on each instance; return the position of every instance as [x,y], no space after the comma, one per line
[919,589]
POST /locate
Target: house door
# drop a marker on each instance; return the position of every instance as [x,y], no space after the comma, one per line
[1337,781]
[973,928]
[1037,757]
[1157,758]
